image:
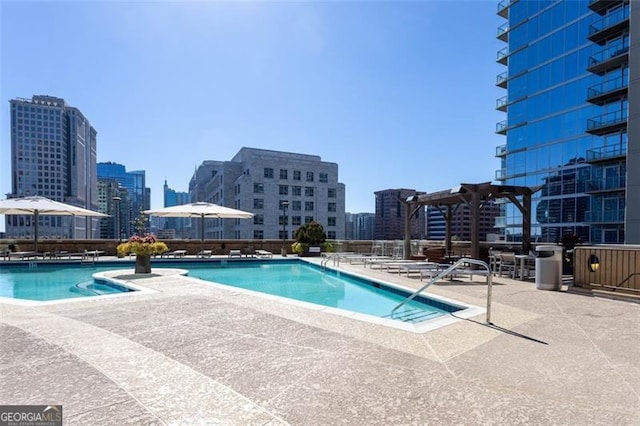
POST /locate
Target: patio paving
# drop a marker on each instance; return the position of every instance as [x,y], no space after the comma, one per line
[191,353]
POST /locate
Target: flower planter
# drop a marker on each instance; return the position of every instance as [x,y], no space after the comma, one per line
[143,264]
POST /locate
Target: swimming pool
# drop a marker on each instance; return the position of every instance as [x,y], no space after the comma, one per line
[46,282]
[293,279]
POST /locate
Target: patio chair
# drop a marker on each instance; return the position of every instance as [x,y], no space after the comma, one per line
[264,253]
[508,265]
[204,253]
[235,253]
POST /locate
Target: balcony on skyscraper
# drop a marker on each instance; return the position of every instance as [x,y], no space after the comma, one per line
[609,58]
[503,32]
[501,79]
[601,6]
[501,127]
[605,216]
[503,55]
[602,30]
[503,8]
[607,91]
[607,123]
[501,103]
[501,150]
[606,184]
[606,153]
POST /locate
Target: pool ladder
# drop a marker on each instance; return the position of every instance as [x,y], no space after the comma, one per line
[443,274]
[333,257]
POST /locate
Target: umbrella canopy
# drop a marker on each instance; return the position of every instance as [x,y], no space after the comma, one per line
[42,206]
[203,211]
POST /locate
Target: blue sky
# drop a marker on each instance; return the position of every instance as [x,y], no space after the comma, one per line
[399,94]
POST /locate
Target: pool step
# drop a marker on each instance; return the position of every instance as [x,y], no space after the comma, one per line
[414,315]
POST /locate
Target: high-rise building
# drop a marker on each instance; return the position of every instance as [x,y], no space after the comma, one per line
[390,214]
[284,190]
[179,225]
[571,71]
[138,194]
[461,222]
[53,154]
[113,199]
[360,226]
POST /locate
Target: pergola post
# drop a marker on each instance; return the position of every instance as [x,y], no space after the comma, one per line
[475,225]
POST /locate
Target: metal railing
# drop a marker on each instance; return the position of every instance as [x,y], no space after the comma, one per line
[446,272]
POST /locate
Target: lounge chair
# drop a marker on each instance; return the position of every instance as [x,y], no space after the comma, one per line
[235,253]
[204,253]
[264,253]
[174,253]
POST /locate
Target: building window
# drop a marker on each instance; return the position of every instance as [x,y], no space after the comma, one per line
[258,219]
[308,219]
[331,193]
[258,234]
[331,235]
[308,191]
[258,188]
[309,176]
[296,205]
[282,220]
[331,207]
[258,203]
[283,190]
[296,220]
[331,221]
[284,174]
[297,175]
[296,190]
[324,178]
[268,172]
[308,206]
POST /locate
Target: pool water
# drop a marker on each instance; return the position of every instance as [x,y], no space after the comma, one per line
[55,282]
[290,279]
[309,283]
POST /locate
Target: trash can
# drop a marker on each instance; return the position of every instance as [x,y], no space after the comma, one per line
[548,267]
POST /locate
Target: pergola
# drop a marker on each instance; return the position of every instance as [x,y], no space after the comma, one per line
[474,195]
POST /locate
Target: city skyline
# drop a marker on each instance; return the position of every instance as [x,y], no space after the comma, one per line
[367,86]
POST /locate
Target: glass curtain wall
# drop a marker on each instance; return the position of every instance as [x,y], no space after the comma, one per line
[550,62]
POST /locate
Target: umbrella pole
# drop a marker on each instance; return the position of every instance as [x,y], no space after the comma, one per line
[202,233]
[36,213]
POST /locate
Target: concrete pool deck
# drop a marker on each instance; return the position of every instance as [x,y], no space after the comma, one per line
[191,353]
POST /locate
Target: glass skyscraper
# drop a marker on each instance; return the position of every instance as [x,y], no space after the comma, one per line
[569,118]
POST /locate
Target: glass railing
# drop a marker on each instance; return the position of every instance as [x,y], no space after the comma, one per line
[502,53]
[608,53]
[503,29]
[501,78]
[501,174]
[605,184]
[606,87]
[604,152]
[501,126]
[606,120]
[605,216]
[500,102]
[501,150]
[609,20]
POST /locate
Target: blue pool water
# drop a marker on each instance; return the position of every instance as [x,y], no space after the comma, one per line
[54,282]
[291,279]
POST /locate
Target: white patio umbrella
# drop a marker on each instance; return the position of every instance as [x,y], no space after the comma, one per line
[42,206]
[202,210]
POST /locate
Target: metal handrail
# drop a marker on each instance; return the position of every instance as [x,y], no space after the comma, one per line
[447,272]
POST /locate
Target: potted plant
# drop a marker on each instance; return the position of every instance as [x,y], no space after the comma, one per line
[143,247]
[307,236]
[569,241]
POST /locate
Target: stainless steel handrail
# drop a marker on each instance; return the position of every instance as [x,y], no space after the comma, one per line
[447,272]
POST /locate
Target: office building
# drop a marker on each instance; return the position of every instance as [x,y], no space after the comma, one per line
[390,214]
[571,74]
[138,195]
[360,226]
[113,200]
[180,226]
[461,222]
[284,190]
[53,154]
